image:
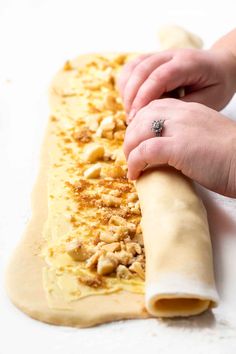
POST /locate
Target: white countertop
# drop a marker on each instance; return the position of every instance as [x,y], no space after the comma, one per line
[36,37]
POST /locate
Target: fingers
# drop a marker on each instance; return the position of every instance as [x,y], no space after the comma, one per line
[127,70]
[149,152]
[142,148]
[140,73]
[141,131]
[164,79]
[140,128]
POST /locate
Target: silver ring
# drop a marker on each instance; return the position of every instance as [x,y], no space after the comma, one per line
[157,126]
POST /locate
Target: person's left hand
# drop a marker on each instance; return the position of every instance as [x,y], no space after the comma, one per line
[196,140]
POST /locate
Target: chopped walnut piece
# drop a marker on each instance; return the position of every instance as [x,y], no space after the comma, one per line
[100,244]
[83,136]
[122,245]
[108,123]
[111,247]
[138,237]
[119,157]
[119,135]
[107,135]
[140,258]
[116,193]
[120,115]
[110,200]
[123,272]
[110,102]
[127,239]
[135,209]
[114,234]
[108,237]
[93,281]
[93,171]
[124,257]
[77,251]
[132,197]
[133,248]
[120,230]
[92,85]
[120,59]
[67,66]
[119,221]
[92,261]
[136,267]
[120,124]
[106,264]
[139,228]
[113,171]
[93,107]
[92,121]
[93,153]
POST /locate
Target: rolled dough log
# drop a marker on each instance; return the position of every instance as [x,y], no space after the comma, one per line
[174,37]
[179,266]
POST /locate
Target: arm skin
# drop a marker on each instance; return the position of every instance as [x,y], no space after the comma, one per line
[207,75]
[197,140]
[227,42]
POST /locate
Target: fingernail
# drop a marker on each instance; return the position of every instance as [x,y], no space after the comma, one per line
[130,177]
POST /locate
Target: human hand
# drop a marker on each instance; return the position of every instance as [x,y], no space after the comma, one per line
[196,140]
[207,76]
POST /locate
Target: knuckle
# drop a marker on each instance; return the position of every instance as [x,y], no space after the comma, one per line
[160,75]
[143,149]
[177,151]
[181,118]
[186,54]
[127,98]
[140,99]
[129,141]
[191,108]
[153,104]
[141,69]
[140,117]
[133,160]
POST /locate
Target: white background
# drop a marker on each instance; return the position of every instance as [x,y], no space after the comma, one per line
[36,37]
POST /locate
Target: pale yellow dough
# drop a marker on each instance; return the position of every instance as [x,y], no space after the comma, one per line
[24,281]
[174,37]
[179,265]
[26,273]
[179,274]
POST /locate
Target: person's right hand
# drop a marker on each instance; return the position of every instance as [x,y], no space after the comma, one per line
[196,140]
[209,77]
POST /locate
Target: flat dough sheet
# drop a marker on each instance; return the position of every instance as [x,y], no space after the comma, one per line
[24,276]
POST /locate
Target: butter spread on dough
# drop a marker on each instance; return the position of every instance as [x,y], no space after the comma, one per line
[179,265]
[92,232]
[54,274]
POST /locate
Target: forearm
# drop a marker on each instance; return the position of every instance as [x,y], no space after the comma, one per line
[227,44]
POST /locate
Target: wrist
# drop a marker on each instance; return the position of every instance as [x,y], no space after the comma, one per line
[228,62]
[231,185]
